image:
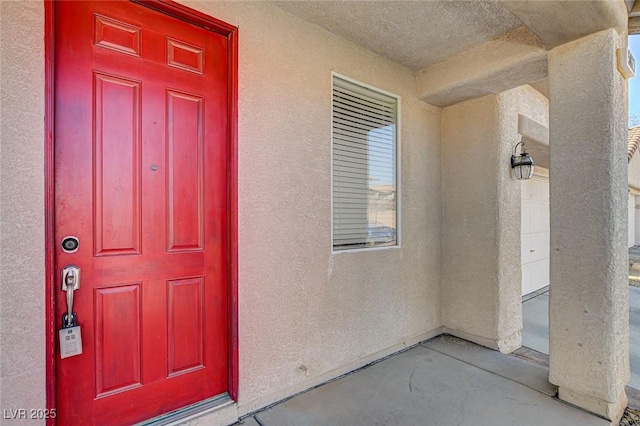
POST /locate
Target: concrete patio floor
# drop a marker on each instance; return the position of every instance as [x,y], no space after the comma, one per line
[535,332]
[449,381]
[445,381]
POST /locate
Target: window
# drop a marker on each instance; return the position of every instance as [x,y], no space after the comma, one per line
[364,166]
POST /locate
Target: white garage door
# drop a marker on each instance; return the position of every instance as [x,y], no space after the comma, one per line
[631,211]
[535,234]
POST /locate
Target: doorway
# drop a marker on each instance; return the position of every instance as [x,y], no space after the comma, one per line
[144,185]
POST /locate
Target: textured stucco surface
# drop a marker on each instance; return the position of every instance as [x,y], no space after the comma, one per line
[558,22]
[481,219]
[418,34]
[508,61]
[470,131]
[535,137]
[589,336]
[521,101]
[22,306]
[415,34]
[299,304]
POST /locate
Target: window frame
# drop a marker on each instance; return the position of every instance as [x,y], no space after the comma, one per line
[398,163]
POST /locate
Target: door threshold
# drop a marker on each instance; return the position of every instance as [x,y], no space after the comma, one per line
[198,409]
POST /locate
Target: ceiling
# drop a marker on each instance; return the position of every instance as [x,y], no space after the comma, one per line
[418,34]
[415,34]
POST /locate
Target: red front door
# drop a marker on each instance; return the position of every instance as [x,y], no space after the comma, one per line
[141,180]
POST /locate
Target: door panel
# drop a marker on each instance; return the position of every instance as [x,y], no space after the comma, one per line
[186,339]
[185,171]
[118,357]
[117,148]
[140,179]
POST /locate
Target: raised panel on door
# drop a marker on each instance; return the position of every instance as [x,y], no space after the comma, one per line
[116,165]
[117,330]
[185,171]
[185,316]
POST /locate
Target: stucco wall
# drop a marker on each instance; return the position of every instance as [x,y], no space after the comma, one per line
[469,271]
[589,293]
[526,101]
[481,224]
[300,305]
[305,314]
[22,312]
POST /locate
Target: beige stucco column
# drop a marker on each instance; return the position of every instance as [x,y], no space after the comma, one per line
[481,262]
[481,223]
[589,335]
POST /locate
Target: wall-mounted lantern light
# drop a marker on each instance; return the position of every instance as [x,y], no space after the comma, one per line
[522,164]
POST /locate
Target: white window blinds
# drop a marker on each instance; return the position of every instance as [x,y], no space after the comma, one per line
[364,166]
